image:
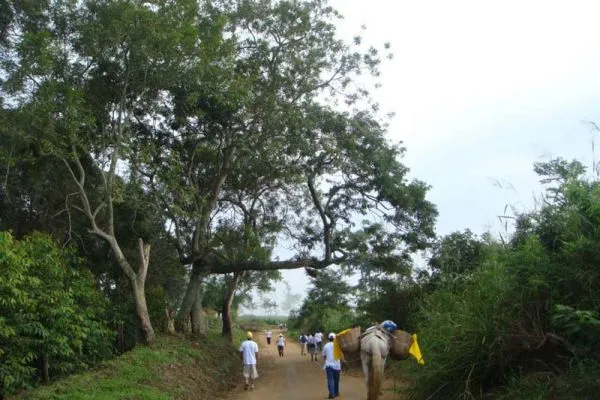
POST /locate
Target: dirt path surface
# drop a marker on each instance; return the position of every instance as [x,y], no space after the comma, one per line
[295,377]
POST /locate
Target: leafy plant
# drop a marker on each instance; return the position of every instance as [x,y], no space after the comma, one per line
[581,327]
[52,314]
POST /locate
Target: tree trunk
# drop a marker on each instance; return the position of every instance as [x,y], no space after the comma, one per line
[227,330]
[170,328]
[191,294]
[45,369]
[138,278]
[146,330]
[196,315]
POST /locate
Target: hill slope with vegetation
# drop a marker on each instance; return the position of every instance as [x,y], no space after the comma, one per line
[174,368]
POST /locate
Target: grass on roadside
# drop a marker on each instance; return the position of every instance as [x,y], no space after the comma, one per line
[174,368]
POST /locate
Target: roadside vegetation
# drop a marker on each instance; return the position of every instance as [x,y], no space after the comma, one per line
[154,154]
[174,368]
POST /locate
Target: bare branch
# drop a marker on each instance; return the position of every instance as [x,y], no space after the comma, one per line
[144,250]
[78,208]
[97,210]
[108,188]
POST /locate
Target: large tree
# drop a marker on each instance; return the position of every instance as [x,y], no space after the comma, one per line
[82,74]
[210,106]
[262,103]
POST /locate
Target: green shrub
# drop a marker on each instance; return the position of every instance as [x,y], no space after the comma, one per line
[461,332]
[51,313]
[580,382]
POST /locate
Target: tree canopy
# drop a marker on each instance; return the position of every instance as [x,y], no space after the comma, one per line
[175,144]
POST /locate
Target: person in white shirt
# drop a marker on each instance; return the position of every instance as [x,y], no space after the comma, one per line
[268,335]
[249,355]
[332,368]
[310,340]
[280,345]
[319,340]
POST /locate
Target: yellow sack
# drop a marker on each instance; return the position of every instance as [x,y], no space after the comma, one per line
[415,351]
[338,354]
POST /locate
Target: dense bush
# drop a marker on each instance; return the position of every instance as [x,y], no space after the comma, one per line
[524,323]
[51,314]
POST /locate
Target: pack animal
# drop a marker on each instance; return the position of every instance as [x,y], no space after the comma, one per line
[375,345]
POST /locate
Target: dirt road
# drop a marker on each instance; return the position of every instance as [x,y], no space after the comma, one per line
[295,377]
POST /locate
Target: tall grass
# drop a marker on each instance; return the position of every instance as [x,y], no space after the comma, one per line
[461,335]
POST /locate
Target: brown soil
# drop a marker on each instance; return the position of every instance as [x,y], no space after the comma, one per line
[295,377]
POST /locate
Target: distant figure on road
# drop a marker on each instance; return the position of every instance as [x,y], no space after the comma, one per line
[280,345]
[319,341]
[312,347]
[268,334]
[249,355]
[303,342]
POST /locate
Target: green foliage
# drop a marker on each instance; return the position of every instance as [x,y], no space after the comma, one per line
[579,381]
[580,327]
[173,368]
[461,335]
[392,300]
[521,320]
[51,312]
[457,253]
[326,307]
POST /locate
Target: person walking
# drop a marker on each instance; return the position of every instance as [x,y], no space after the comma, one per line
[312,346]
[332,368]
[280,344]
[249,355]
[319,341]
[302,344]
[268,334]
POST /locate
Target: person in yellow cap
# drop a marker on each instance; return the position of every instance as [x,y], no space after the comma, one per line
[249,356]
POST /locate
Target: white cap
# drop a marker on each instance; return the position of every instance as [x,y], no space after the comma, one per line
[331,335]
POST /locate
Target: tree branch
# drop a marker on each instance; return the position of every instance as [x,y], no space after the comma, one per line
[144,261]
[254,265]
[326,224]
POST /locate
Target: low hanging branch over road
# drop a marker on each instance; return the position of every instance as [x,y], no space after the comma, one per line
[311,263]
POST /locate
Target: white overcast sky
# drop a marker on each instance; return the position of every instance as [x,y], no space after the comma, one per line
[481,90]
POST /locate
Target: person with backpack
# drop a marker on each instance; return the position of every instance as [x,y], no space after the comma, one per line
[303,342]
[280,344]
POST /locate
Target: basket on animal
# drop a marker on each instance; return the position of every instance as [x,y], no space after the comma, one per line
[349,340]
[400,345]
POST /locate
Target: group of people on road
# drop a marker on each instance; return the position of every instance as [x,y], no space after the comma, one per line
[280,341]
[310,344]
